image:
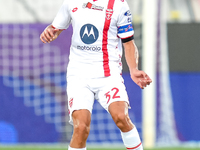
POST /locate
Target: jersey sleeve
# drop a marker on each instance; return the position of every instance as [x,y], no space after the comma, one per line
[63,18]
[125,27]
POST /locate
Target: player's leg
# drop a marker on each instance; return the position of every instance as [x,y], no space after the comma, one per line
[113,97]
[130,136]
[81,122]
[119,113]
[80,104]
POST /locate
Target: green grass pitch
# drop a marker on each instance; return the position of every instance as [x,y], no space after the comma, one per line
[37,148]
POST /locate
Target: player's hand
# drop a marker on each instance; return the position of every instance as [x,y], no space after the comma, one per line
[49,34]
[140,78]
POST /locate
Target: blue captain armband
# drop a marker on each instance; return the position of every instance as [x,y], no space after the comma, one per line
[124,29]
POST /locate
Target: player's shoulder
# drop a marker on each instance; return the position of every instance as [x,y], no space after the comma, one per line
[121,1]
[120,5]
[69,2]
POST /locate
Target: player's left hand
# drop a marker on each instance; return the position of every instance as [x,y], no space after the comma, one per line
[140,78]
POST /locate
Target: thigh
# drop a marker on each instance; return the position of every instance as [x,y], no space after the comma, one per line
[113,90]
[80,97]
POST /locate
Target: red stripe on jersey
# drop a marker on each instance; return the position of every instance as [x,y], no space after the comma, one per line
[109,12]
[134,147]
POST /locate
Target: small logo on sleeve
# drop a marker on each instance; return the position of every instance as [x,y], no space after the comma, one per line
[129,19]
[128,13]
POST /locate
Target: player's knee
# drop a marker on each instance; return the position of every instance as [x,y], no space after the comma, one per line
[82,129]
[121,120]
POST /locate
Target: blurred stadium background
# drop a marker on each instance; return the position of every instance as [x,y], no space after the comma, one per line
[33,100]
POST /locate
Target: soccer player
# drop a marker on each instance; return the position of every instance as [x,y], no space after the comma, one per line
[100,28]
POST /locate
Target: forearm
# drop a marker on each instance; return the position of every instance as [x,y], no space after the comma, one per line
[131,55]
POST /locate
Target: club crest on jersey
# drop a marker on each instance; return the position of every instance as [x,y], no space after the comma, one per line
[109,13]
[92,6]
[71,102]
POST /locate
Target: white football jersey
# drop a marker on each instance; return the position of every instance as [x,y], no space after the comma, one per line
[98,27]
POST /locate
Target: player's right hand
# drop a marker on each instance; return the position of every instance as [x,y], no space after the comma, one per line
[49,34]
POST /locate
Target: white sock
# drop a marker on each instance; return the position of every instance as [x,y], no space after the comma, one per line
[132,140]
[69,148]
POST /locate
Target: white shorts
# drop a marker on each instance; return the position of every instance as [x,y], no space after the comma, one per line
[82,92]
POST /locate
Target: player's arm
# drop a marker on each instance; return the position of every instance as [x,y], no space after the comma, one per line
[50,34]
[60,23]
[132,56]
